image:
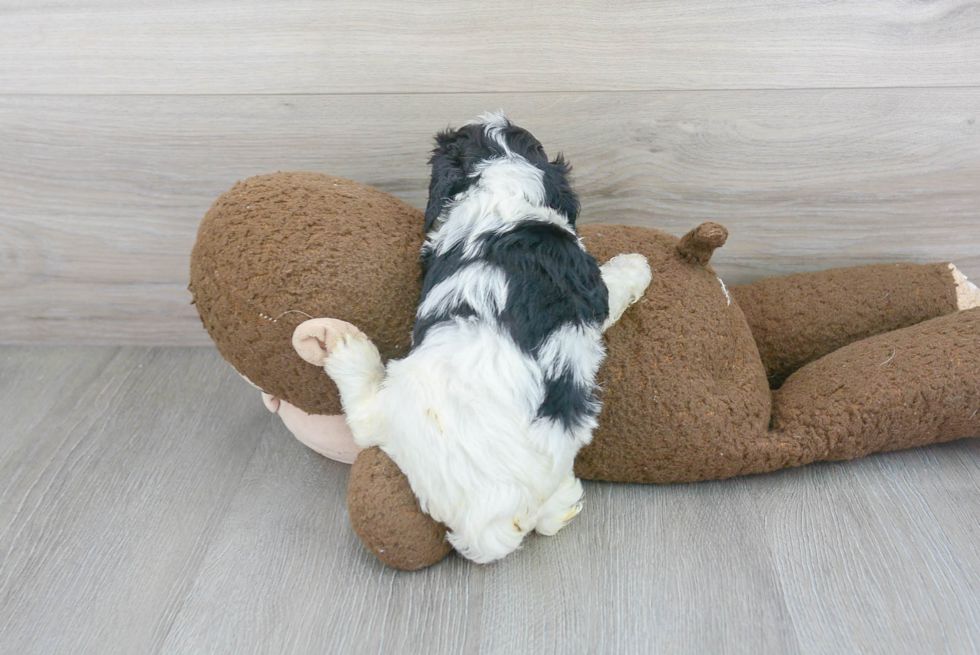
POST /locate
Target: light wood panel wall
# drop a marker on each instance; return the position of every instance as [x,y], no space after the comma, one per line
[821,134]
[381,46]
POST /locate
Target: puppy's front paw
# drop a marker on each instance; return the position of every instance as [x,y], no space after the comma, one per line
[627,278]
[630,273]
[314,340]
[351,357]
[488,543]
[967,293]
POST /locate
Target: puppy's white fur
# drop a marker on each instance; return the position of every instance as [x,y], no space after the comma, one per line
[459,414]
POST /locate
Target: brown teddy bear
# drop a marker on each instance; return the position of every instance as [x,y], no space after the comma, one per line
[701,381]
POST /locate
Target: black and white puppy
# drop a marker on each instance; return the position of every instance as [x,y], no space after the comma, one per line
[487,412]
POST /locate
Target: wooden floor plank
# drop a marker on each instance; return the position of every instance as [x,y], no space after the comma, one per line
[100,197]
[351,46]
[109,497]
[637,573]
[291,577]
[159,508]
[872,554]
[36,383]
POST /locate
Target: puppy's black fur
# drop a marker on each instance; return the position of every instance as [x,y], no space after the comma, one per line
[458,152]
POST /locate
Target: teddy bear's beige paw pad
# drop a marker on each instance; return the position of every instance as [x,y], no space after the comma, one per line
[967,293]
[313,340]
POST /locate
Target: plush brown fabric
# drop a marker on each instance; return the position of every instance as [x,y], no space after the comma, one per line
[683,386]
[797,319]
[386,515]
[278,249]
[907,388]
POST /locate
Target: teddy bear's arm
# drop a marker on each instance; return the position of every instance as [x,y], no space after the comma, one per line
[797,319]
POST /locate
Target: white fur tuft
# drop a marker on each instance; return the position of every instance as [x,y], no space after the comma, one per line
[626,278]
[481,285]
[728,296]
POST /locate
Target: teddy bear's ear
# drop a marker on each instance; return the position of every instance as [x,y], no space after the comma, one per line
[699,244]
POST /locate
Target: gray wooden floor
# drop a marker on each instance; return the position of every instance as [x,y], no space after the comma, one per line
[149,504]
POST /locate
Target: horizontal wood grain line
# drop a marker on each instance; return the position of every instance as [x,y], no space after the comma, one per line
[486,93]
[292,46]
[100,197]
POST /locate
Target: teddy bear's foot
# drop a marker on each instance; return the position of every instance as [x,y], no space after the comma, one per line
[561,508]
[386,515]
[967,293]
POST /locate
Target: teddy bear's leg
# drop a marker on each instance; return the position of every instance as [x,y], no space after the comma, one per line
[912,387]
[626,277]
[562,507]
[354,364]
[386,515]
[797,319]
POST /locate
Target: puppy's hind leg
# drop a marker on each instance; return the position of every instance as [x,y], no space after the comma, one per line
[487,543]
[562,507]
[626,277]
[354,364]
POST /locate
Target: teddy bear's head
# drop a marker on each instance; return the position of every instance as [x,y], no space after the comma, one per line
[276,250]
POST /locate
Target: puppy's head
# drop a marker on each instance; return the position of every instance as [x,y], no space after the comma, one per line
[461,156]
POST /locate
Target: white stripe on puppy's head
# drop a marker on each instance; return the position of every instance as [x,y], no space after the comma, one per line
[494,123]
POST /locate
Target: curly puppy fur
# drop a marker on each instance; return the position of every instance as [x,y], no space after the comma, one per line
[487,412]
